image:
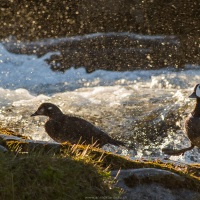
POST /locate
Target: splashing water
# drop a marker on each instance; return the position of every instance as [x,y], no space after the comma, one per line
[145,108]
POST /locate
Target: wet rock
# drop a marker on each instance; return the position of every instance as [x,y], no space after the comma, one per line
[3,149]
[151,183]
[111,51]
[50,19]
[26,145]
[9,137]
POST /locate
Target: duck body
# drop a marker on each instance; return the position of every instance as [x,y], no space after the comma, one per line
[192,125]
[62,128]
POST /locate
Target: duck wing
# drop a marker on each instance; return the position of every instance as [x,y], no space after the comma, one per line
[85,130]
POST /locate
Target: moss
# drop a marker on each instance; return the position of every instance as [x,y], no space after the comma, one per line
[48,172]
[42,176]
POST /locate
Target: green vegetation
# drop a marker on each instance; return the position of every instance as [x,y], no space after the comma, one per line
[46,176]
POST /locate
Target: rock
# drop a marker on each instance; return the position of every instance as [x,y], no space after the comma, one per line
[151,183]
[25,145]
[158,192]
[124,51]
[9,137]
[3,149]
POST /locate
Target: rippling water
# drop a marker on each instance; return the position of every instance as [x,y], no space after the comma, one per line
[145,108]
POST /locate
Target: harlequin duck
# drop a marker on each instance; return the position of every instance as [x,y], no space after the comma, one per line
[62,128]
[192,125]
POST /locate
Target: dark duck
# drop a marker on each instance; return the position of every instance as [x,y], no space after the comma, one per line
[192,125]
[63,128]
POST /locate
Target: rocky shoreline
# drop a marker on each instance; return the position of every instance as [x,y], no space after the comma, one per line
[137,179]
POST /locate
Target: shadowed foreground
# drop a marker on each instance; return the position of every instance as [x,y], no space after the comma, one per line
[42,170]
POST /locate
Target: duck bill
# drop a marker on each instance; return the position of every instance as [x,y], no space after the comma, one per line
[193,96]
[34,114]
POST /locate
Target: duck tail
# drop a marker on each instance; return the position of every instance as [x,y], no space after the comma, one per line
[117,142]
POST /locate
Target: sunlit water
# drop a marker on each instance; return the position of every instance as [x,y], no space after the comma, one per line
[144,108]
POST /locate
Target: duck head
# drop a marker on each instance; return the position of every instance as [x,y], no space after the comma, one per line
[47,109]
[196,93]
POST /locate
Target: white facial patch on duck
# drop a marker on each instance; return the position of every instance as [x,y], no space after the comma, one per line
[50,108]
[198,91]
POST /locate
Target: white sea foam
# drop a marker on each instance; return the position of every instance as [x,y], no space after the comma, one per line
[34,74]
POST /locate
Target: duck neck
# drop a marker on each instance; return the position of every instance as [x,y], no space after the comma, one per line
[196,111]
